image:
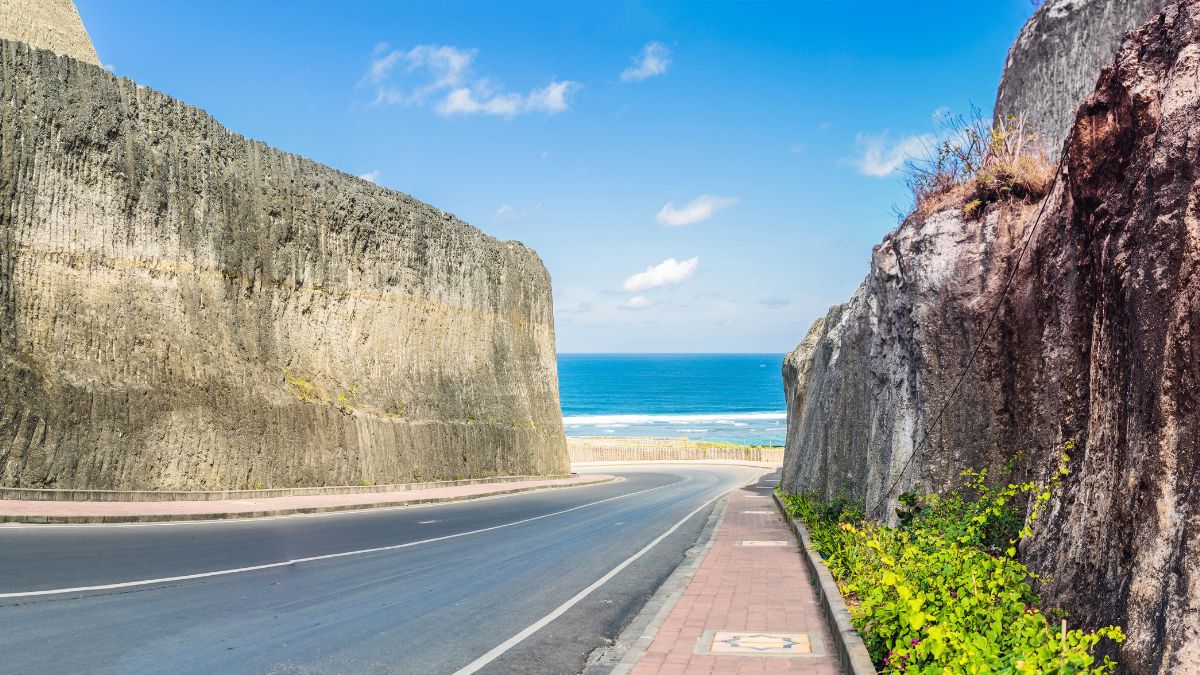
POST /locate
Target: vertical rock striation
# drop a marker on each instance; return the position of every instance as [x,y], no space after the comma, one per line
[1097,341]
[184,308]
[48,24]
[1057,57]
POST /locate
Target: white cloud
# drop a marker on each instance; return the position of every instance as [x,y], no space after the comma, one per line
[700,208]
[446,79]
[879,156]
[666,273]
[638,302]
[797,148]
[370,176]
[509,212]
[575,308]
[551,98]
[652,61]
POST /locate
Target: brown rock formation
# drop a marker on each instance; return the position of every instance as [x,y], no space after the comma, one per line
[183,308]
[1097,341]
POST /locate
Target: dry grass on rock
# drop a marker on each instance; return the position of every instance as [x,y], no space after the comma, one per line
[979,164]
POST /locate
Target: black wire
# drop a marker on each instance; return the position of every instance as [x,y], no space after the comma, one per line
[978,345]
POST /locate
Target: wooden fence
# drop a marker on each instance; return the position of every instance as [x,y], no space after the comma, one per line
[618,449]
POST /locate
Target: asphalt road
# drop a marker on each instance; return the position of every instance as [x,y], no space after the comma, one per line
[452,583]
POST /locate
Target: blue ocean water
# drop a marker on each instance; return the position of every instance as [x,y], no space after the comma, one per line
[736,398]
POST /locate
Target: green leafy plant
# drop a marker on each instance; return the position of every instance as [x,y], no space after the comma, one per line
[944,591]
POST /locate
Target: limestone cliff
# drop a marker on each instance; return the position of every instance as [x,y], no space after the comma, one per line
[1097,341]
[1057,57]
[47,24]
[183,308]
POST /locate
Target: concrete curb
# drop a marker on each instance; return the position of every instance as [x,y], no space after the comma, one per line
[632,643]
[850,648]
[239,515]
[50,495]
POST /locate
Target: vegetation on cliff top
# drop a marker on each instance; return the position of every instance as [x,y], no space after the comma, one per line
[944,591]
[977,164]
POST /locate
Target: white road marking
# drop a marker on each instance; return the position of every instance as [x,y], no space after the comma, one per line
[327,556]
[427,522]
[322,514]
[499,650]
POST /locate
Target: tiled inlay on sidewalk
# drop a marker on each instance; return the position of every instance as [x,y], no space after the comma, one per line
[749,608]
[758,644]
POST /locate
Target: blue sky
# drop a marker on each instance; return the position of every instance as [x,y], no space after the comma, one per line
[698,177]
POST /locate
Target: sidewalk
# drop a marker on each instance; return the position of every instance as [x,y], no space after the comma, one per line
[751,607]
[41,511]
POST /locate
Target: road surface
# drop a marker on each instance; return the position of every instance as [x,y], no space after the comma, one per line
[492,585]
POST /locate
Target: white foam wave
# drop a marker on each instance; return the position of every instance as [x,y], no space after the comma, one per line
[690,418]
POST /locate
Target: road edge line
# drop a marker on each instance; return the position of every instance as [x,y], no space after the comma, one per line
[316,558]
[230,516]
[502,648]
[635,639]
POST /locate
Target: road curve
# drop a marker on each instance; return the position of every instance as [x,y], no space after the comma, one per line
[428,589]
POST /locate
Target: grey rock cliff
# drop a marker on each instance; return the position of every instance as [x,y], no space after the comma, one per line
[184,308]
[1097,341]
[871,375]
[1054,63]
[47,24]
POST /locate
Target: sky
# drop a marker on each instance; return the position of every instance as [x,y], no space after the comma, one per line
[697,176]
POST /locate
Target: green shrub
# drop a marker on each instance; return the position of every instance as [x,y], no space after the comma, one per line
[944,591]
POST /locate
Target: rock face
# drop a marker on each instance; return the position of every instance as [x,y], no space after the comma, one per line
[183,308]
[863,386]
[1057,57]
[48,24]
[1097,341]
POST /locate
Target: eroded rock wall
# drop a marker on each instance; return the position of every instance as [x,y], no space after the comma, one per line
[1057,57]
[47,24]
[184,308]
[865,384]
[1096,341]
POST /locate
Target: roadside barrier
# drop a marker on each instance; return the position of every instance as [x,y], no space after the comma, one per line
[621,449]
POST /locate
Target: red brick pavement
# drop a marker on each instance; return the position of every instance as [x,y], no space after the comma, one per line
[743,588]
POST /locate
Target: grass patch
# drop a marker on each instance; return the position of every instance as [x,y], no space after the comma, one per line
[977,164]
[944,591]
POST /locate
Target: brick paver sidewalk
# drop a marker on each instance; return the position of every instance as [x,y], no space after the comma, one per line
[13,510]
[748,594]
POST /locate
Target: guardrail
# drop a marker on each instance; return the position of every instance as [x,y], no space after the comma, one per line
[620,449]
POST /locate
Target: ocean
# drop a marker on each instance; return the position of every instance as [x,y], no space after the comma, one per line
[736,398]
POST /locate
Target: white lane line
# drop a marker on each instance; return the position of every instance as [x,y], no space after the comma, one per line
[293,516]
[327,556]
[541,623]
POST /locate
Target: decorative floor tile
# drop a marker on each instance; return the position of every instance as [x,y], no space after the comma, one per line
[765,543]
[748,643]
[759,513]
